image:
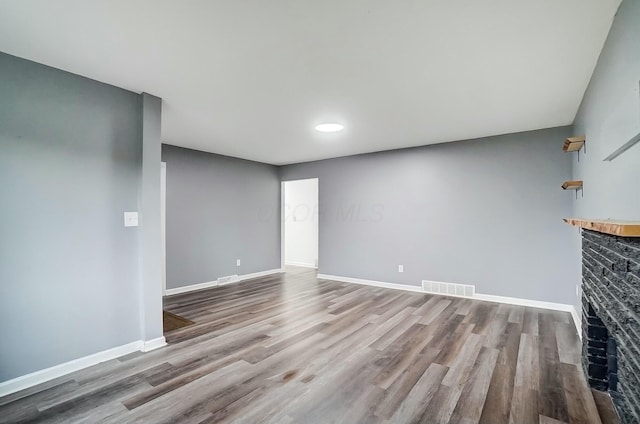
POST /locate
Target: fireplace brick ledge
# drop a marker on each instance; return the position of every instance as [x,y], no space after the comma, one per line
[612,227]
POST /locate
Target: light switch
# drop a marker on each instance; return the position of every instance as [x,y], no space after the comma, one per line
[131,219]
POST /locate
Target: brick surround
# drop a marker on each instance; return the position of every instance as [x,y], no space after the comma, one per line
[611,318]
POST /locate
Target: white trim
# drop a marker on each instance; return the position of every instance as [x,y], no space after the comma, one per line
[302,264]
[153,344]
[214,283]
[260,274]
[163,223]
[373,283]
[524,302]
[192,287]
[483,297]
[38,377]
[282,192]
[42,376]
[577,321]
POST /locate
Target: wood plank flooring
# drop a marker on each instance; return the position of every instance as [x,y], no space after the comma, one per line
[172,321]
[295,349]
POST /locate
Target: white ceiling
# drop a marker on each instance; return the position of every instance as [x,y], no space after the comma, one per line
[251,78]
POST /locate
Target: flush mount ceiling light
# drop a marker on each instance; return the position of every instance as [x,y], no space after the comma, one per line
[329,127]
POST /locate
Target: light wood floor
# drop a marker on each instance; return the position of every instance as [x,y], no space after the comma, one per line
[295,349]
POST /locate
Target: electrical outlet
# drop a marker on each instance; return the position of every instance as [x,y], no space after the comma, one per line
[131,219]
[400,268]
[237,262]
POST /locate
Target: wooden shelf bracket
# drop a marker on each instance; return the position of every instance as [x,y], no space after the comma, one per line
[575,144]
[576,185]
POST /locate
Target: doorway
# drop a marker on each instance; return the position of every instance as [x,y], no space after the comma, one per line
[300,223]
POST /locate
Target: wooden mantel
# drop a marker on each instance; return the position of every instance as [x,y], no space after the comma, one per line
[616,228]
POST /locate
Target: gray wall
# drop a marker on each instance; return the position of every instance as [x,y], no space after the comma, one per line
[610,188]
[70,159]
[486,212]
[219,209]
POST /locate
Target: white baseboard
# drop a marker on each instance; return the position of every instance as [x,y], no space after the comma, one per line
[192,287]
[214,283]
[373,283]
[42,376]
[38,377]
[148,346]
[302,264]
[524,302]
[484,297]
[577,321]
[260,274]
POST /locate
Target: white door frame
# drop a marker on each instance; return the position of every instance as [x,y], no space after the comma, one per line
[282,221]
[282,188]
[163,223]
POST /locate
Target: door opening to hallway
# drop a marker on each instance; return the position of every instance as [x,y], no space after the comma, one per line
[300,223]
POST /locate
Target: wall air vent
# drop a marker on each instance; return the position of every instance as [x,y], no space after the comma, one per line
[227,280]
[449,289]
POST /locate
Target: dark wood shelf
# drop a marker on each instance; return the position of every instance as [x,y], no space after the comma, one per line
[572,185]
[616,228]
[573,144]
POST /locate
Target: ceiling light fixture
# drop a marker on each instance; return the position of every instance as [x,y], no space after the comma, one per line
[329,127]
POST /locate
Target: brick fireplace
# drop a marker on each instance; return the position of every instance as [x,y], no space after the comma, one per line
[611,318]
